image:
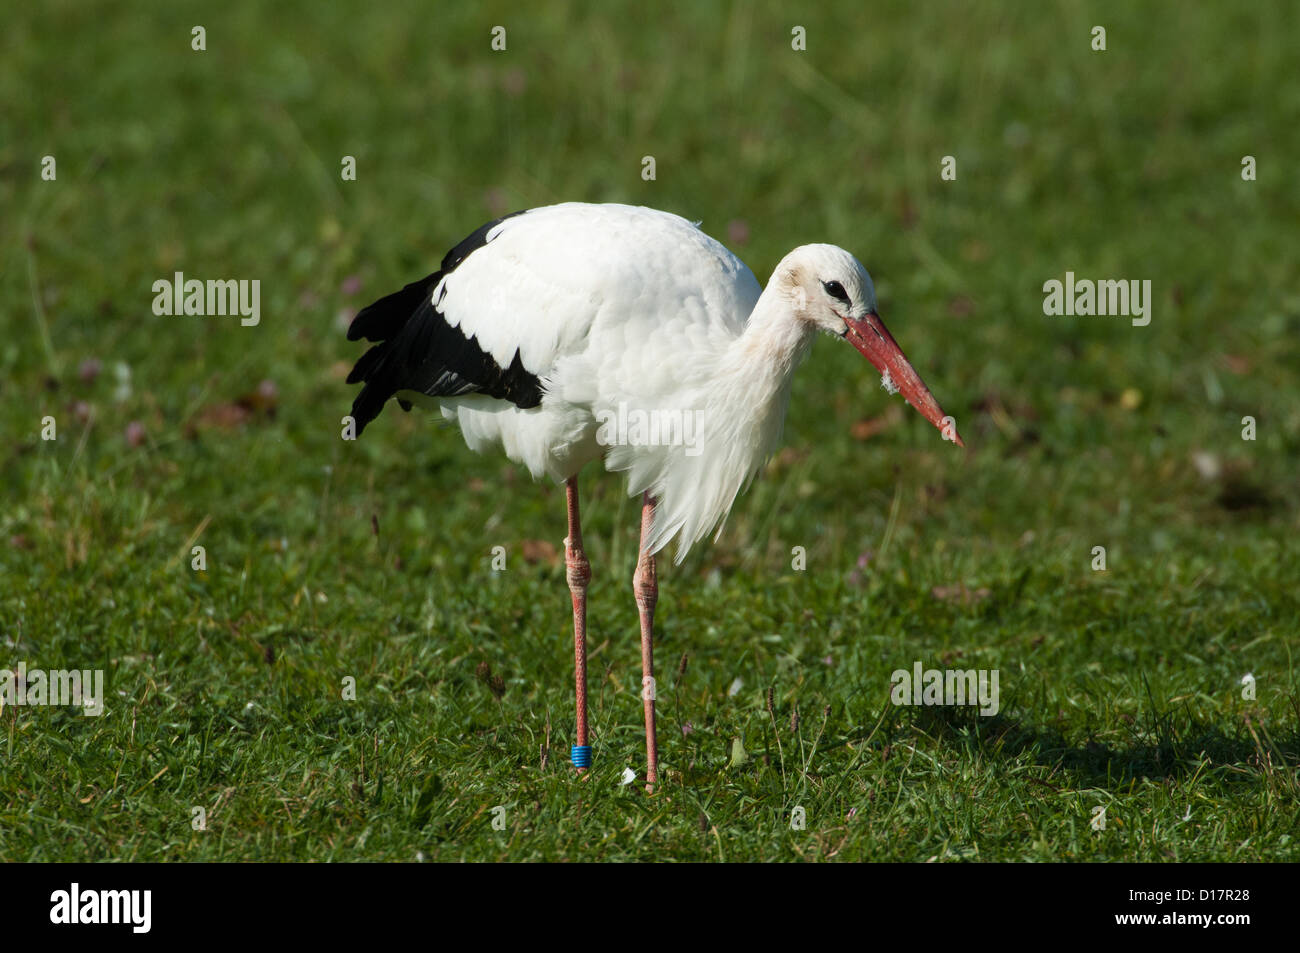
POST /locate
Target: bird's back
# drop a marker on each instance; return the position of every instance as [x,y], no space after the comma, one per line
[550,278]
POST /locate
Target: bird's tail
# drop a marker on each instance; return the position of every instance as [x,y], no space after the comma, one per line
[380,369]
[417,350]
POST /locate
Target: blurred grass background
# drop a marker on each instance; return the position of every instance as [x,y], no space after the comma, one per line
[1119,688]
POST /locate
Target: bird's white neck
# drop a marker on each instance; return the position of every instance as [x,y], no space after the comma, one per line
[757,369]
[774,341]
[750,391]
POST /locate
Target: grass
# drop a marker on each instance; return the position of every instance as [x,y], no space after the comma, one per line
[329,559]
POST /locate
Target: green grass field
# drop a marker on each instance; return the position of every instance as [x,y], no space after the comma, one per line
[329,559]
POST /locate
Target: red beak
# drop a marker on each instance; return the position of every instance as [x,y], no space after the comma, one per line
[870,336]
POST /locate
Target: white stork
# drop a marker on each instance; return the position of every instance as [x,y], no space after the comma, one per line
[542,328]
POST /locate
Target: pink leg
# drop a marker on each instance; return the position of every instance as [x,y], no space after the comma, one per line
[645,584]
[578,571]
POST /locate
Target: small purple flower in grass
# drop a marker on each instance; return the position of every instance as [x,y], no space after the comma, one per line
[855,577]
[135,434]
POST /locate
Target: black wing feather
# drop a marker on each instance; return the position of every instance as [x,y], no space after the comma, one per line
[418,350]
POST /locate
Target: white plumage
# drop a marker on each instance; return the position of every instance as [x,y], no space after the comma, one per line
[620,310]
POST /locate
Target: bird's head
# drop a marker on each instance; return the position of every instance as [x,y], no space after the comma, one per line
[829,290]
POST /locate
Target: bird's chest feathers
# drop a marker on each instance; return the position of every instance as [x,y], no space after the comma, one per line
[746,406]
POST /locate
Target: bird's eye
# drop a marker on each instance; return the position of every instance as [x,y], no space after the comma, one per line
[836,290]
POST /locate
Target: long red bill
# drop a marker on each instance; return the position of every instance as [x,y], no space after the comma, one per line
[870,336]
